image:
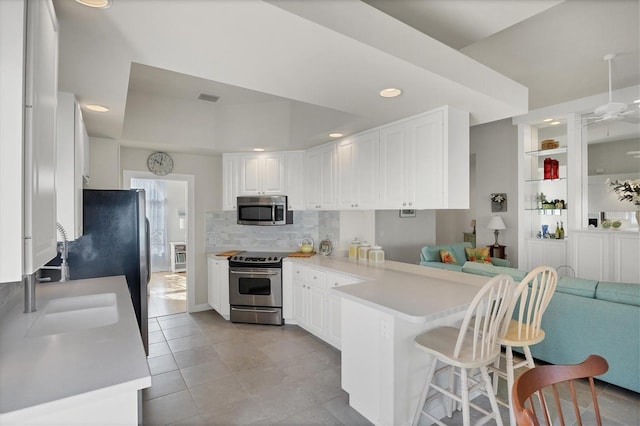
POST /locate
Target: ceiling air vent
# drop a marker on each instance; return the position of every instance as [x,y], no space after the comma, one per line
[208,98]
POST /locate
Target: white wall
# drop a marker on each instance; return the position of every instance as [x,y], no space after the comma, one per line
[104,164]
[402,238]
[207,172]
[495,146]
[176,206]
[493,169]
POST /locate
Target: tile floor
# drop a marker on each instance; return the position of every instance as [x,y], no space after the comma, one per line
[167,293]
[208,371]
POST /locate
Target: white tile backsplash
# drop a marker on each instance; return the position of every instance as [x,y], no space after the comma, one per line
[224,231]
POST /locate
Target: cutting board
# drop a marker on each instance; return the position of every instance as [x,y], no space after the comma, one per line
[301,254]
[229,253]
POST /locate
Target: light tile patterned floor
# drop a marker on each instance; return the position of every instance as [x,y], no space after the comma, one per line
[167,293]
[208,371]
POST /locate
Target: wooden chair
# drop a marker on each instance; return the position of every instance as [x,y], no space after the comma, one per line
[472,346]
[545,376]
[532,297]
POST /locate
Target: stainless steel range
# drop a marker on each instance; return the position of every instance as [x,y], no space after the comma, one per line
[255,287]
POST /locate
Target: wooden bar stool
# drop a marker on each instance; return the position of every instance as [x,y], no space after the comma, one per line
[531,297]
[472,346]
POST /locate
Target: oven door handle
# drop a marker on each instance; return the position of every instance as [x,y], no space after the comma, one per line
[266,311]
[253,273]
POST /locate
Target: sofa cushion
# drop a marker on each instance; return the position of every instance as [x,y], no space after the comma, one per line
[577,286]
[478,254]
[432,253]
[447,256]
[626,293]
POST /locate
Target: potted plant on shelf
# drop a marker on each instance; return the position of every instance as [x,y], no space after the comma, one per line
[628,190]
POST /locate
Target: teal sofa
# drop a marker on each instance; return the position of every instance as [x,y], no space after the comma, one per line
[430,256]
[584,317]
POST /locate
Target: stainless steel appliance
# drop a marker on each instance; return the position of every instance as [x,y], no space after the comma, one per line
[264,210]
[255,287]
[115,241]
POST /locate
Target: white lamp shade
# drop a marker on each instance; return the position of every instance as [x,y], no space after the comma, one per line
[496,222]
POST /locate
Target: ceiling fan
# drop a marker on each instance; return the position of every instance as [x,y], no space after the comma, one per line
[612,111]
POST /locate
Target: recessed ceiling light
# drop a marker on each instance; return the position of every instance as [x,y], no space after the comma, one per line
[553,123]
[258,149]
[633,153]
[97,108]
[637,101]
[546,120]
[335,135]
[391,92]
[98,4]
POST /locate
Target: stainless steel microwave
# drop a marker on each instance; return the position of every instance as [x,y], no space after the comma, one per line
[264,210]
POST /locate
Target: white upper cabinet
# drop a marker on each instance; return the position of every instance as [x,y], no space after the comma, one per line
[357,168]
[12,34]
[424,161]
[231,181]
[41,93]
[262,174]
[71,143]
[294,189]
[319,178]
[418,163]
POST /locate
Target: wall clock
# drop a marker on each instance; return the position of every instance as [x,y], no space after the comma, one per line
[160,163]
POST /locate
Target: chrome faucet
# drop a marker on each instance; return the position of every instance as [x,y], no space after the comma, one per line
[31,280]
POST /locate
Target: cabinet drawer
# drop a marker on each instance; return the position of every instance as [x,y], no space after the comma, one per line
[317,278]
[335,280]
[299,273]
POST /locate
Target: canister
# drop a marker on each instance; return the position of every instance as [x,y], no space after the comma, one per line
[353,249]
[376,255]
[363,251]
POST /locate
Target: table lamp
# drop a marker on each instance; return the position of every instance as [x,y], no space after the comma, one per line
[496,223]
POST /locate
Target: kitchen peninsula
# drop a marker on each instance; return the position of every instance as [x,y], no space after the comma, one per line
[382,371]
[78,359]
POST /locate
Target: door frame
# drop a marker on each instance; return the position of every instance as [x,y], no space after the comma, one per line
[127,175]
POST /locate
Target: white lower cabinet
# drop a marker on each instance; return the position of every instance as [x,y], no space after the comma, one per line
[218,285]
[546,252]
[335,307]
[315,308]
[606,255]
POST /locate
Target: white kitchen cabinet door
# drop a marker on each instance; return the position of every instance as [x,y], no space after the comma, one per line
[424,161]
[294,189]
[69,164]
[41,94]
[357,171]
[320,178]
[218,285]
[12,34]
[625,248]
[346,175]
[230,181]
[396,167]
[334,317]
[262,174]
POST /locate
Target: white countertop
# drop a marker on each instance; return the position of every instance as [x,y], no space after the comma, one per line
[414,293]
[37,370]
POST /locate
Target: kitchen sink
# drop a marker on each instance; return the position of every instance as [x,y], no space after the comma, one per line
[76,313]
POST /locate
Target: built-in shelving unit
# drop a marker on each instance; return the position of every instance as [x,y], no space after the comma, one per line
[178,257]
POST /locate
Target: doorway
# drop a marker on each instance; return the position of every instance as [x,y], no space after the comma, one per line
[167,207]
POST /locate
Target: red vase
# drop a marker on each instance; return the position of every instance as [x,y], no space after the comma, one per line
[555,165]
[547,168]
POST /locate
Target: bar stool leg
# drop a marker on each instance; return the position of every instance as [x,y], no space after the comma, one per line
[510,380]
[425,391]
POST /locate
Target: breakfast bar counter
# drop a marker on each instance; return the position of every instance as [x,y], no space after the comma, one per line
[382,371]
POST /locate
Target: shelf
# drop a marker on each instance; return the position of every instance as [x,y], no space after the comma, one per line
[548,212]
[545,180]
[546,152]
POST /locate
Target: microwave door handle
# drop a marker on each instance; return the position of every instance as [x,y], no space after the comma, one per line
[273,213]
